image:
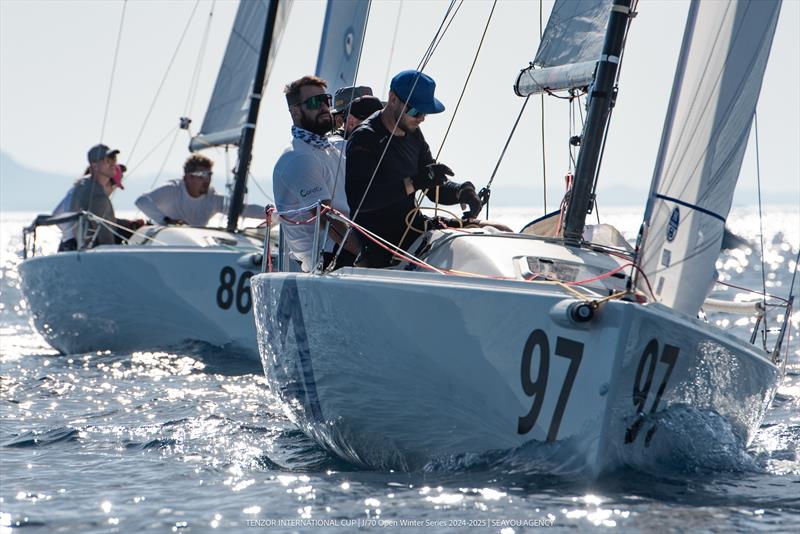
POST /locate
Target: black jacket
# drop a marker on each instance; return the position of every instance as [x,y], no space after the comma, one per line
[386,203]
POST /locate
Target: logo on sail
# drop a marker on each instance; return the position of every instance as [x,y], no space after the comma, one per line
[674,221]
[349,40]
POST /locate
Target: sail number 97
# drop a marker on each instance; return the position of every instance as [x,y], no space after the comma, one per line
[643,383]
[535,389]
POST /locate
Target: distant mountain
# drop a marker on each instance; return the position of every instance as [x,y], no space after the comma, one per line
[25,189]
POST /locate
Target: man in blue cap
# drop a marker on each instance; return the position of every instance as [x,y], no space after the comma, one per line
[388,160]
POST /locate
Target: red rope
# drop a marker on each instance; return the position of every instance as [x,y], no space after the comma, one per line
[599,277]
[268,252]
[752,291]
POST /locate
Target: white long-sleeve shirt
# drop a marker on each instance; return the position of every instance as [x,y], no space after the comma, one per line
[173,201]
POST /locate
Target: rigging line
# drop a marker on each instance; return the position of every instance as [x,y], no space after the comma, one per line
[354,216]
[794,276]
[441,38]
[391,50]
[139,164]
[505,147]
[166,157]
[344,144]
[466,82]
[352,93]
[437,37]
[541,96]
[760,215]
[198,67]
[571,130]
[703,102]
[253,179]
[593,204]
[163,80]
[113,69]
[394,129]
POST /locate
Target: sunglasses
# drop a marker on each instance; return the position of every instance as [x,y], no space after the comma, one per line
[413,112]
[316,101]
[201,174]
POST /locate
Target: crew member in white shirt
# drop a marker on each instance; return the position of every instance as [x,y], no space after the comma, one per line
[191,200]
[312,170]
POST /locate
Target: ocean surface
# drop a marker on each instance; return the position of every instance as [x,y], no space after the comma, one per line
[191,440]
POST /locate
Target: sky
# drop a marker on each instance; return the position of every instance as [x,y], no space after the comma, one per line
[56,61]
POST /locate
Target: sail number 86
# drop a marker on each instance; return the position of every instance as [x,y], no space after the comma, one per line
[230,291]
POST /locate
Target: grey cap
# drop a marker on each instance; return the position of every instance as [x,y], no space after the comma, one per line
[345,95]
[99,153]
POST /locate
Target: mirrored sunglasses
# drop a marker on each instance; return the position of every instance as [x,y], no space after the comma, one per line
[316,101]
[201,174]
[413,112]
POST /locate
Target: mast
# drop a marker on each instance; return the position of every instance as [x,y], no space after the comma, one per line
[601,100]
[249,128]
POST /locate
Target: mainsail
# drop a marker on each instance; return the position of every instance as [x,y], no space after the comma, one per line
[230,101]
[570,47]
[340,46]
[714,95]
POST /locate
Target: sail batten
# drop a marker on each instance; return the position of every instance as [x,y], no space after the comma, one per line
[569,48]
[717,82]
[228,108]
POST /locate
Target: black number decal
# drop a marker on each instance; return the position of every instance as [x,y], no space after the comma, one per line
[226,294]
[534,389]
[566,348]
[641,391]
[574,351]
[227,276]
[243,290]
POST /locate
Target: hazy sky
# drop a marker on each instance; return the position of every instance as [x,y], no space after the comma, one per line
[56,59]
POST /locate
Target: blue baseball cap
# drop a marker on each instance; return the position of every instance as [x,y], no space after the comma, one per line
[423,86]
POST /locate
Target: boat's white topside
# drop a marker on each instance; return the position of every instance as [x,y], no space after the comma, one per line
[170,285]
[488,253]
[392,367]
[188,236]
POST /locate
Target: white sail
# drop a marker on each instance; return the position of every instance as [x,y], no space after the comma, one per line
[230,101]
[717,82]
[341,41]
[570,47]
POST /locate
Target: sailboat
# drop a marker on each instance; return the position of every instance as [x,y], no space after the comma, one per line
[171,284]
[481,341]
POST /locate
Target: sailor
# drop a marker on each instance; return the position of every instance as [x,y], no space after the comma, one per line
[341,102]
[92,194]
[311,171]
[190,200]
[388,160]
[358,110]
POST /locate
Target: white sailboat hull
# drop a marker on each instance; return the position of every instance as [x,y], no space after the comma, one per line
[127,298]
[387,382]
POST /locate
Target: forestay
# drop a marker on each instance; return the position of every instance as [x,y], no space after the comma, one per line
[230,101]
[714,95]
[340,47]
[570,47]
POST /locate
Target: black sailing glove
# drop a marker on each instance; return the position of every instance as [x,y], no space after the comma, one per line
[432,175]
[468,196]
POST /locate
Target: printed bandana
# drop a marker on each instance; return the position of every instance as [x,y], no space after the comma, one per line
[317,141]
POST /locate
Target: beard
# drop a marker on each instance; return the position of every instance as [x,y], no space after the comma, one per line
[319,124]
[408,126]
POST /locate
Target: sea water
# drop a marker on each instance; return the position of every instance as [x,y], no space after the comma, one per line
[192,440]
